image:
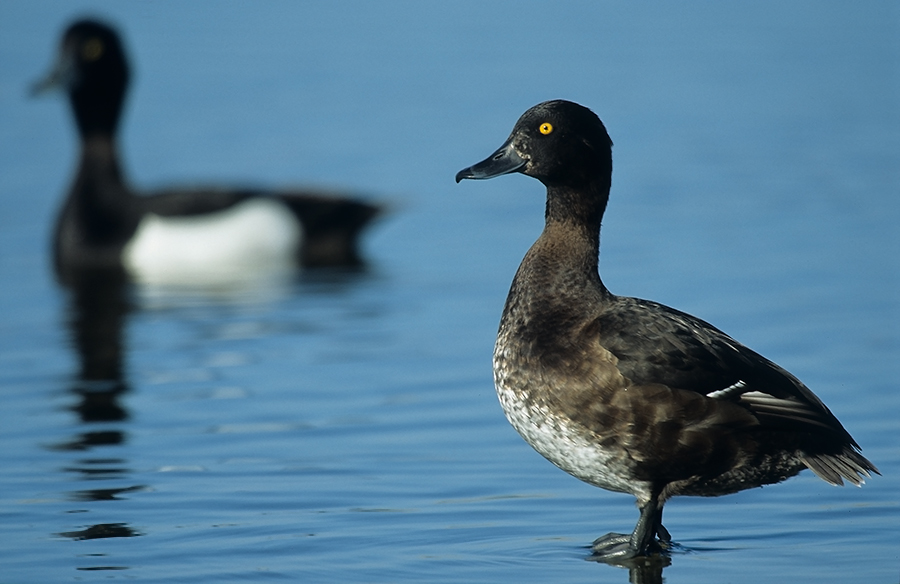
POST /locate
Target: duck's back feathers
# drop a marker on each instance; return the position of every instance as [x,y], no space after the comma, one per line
[655,344]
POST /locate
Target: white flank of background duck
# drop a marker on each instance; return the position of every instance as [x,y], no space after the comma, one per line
[254,239]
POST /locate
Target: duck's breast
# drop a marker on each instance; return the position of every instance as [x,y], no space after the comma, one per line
[530,398]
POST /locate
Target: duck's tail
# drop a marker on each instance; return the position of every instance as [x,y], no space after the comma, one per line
[849,465]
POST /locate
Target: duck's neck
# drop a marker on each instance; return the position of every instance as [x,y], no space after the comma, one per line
[583,205]
[569,246]
[558,283]
[97,106]
[98,215]
[99,173]
[100,200]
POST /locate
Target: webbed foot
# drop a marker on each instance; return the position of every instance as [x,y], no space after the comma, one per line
[612,547]
[615,548]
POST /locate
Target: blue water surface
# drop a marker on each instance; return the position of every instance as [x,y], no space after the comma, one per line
[343,427]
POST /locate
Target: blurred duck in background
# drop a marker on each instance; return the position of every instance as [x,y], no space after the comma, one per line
[176,235]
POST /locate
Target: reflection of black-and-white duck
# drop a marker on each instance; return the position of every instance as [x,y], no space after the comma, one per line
[176,234]
[626,394]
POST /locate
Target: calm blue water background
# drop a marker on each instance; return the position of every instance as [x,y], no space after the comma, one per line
[344,428]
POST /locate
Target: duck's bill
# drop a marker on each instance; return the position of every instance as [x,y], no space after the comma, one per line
[504,161]
[60,77]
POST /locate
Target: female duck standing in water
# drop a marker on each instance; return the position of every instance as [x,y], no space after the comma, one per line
[627,394]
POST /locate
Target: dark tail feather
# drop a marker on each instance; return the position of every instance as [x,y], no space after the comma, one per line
[331,228]
[835,468]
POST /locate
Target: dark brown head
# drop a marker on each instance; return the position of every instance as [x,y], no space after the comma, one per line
[565,146]
[558,142]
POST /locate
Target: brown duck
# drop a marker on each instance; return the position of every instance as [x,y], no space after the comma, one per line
[627,394]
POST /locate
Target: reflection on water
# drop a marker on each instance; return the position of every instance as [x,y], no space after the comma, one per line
[103,494]
[97,310]
[102,531]
[100,404]
[647,570]
[98,306]
[96,469]
[87,440]
[100,303]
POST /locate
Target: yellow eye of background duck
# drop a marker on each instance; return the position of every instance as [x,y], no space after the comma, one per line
[92,49]
[546,128]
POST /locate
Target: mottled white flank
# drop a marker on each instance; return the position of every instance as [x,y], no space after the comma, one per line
[721,393]
[556,440]
[248,240]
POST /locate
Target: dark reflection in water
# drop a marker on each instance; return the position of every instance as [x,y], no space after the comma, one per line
[104,494]
[98,307]
[100,302]
[100,404]
[94,469]
[102,531]
[99,568]
[88,440]
[646,574]
[647,570]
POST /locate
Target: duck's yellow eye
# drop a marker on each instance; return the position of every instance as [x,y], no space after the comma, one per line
[92,49]
[546,128]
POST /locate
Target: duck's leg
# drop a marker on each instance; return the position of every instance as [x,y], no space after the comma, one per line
[662,534]
[642,541]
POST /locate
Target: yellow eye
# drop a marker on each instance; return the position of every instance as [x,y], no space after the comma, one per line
[92,49]
[546,128]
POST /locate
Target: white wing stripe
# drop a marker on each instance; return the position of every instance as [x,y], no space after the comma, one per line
[723,393]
